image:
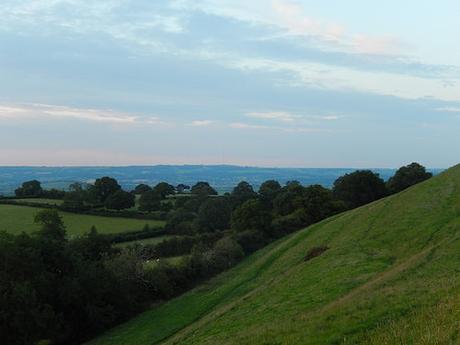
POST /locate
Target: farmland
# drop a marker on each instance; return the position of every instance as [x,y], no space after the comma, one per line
[17,219]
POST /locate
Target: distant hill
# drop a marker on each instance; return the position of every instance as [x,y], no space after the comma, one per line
[222,177]
[391,275]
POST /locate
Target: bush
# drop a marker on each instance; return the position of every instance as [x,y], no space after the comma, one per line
[314,252]
[251,215]
[214,214]
[408,176]
[119,200]
[251,240]
[286,224]
[359,188]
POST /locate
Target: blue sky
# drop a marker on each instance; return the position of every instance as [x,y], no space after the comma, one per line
[263,82]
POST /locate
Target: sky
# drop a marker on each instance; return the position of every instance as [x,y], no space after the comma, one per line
[278,83]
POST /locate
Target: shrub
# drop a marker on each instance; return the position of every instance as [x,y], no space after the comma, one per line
[314,252]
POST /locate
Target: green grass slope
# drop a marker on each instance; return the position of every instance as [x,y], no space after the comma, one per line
[391,276]
[17,219]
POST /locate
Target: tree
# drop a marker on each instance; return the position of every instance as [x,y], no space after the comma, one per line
[407,176]
[269,189]
[359,188]
[150,201]
[164,189]
[180,222]
[119,200]
[203,189]
[241,193]
[29,188]
[74,200]
[52,226]
[141,189]
[105,186]
[180,188]
[251,215]
[214,214]
[288,199]
[318,203]
[226,253]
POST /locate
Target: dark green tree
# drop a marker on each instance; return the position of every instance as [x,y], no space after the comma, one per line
[241,193]
[269,189]
[150,201]
[181,188]
[407,176]
[288,199]
[52,226]
[141,189]
[203,189]
[180,222]
[164,189]
[30,188]
[120,200]
[318,203]
[359,188]
[214,214]
[251,215]
[105,186]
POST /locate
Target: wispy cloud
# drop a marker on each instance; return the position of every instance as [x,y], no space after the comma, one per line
[449,109]
[248,126]
[41,111]
[284,116]
[274,115]
[201,123]
[292,17]
[241,125]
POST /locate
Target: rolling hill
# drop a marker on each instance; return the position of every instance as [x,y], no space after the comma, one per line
[390,276]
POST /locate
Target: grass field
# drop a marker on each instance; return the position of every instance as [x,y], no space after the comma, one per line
[16,219]
[41,201]
[391,276]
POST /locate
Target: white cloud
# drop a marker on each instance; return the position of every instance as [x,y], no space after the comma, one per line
[290,19]
[449,109]
[317,75]
[285,116]
[274,115]
[201,123]
[242,125]
[40,111]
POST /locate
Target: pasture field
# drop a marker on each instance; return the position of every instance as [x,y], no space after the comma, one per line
[17,219]
[390,276]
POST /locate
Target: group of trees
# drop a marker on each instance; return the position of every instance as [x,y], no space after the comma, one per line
[33,189]
[55,290]
[105,192]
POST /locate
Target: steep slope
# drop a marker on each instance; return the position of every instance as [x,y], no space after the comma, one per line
[391,272]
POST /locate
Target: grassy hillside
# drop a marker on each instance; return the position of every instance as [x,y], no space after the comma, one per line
[391,276]
[16,219]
